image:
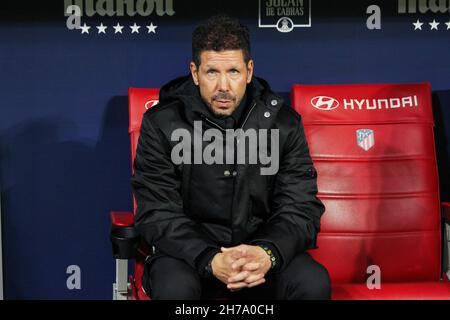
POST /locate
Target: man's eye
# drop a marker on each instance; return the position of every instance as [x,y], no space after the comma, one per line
[234,71]
[211,72]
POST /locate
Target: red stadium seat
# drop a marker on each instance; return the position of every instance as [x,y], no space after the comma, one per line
[373,147]
[139,101]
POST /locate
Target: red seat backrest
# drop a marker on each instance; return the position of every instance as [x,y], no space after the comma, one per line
[373,147]
[139,101]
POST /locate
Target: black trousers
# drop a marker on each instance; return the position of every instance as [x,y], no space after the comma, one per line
[168,278]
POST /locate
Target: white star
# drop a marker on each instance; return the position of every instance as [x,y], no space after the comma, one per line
[101,28]
[417,25]
[118,28]
[448,25]
[135,28]
[434,25]
[85,29]
[151,28]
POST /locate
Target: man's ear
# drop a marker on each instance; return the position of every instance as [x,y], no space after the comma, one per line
[194,72]
[249,71]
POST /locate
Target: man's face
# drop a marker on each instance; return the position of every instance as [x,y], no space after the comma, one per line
[222,78]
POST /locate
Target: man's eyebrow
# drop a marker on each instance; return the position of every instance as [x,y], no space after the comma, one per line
[208,67]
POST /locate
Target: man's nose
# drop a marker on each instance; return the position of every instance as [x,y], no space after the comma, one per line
[223,84]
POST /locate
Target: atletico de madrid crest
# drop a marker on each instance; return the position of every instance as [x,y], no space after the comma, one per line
[365,138]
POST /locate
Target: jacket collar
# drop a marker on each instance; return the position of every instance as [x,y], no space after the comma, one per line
[262,101]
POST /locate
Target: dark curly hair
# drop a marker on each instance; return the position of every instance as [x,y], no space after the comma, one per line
[220,32]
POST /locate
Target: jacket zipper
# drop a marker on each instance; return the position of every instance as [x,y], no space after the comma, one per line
[212,122]
[248,114]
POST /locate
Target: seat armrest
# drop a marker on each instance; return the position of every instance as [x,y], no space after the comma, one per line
[446,211]
[124,236]
[122,218]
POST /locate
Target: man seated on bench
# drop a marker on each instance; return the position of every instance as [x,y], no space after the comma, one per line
[224,183]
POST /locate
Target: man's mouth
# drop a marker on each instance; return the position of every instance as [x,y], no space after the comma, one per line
[223,103]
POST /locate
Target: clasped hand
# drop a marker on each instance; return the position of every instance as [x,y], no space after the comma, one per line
[243,266]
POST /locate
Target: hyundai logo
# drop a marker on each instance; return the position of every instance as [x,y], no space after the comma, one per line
[151,103]
[324,103]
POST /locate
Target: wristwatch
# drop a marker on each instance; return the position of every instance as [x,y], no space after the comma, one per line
[273,259]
